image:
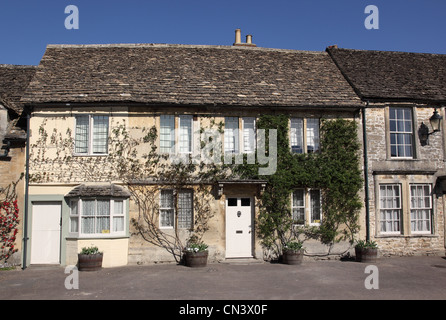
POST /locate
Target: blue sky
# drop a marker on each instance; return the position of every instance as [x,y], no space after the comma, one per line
[27,26]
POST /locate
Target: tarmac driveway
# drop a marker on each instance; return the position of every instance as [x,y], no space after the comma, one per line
[389,278]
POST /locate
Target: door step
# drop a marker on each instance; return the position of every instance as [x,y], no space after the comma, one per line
[242,261]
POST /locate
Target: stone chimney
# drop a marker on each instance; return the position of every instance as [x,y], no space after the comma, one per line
[238,40]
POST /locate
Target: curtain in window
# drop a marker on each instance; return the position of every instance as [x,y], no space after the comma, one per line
[166,208]
[315,202]
[81,134]
[185,212]
[118,218]
[100,134]
[103,216]
[74,217]
[296,135]
[231,135]
[88,216]
[298,206]
[312,135]
[390,203]
[185,138]
[167,133]
[249,136]
[421,208]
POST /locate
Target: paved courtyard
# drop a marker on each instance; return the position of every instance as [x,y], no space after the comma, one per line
[390,278]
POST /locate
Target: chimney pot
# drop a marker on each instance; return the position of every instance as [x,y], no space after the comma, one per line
[249,39]
[238,37]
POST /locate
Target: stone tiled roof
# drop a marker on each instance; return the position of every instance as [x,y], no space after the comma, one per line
[157,74]
[108,190]
[393,76]
[13,81]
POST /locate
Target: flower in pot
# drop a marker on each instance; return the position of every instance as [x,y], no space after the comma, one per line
[293,252]
[366,251]
[90,259]
[196,254]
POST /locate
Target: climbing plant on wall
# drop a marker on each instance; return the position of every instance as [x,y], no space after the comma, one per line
[334,170]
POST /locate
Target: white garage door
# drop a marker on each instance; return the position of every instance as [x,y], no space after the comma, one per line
[45,241]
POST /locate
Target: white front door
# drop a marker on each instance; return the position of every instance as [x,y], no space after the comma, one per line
[45,241]
[239,212]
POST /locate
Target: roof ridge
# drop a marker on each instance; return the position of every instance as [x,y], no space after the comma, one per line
[388,51]
[167,45]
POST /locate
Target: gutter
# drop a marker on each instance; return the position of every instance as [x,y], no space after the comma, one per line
[25,219]
[366,172]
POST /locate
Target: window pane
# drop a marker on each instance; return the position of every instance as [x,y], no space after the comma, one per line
[232,202]
[74,224]
[246,202]
[296,135]
[312,135]
[118,207]
[185,211]
[249,138]
[103,225]
[88,207]
[185,138]
[401,132]
[315,202]
[100,134]
[390,207]
[167,133]
[420,208]
[231,135]
[167,199]
[81,135]
[118,224]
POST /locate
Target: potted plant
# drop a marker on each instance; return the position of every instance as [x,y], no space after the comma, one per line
[196,253]
[293,252]
[366,251]
[90,259]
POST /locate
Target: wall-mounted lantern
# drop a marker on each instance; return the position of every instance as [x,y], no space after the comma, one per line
[435,121]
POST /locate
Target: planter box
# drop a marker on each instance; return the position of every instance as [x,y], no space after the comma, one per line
[366,254]
[293,257]
[89,262]
[196,259]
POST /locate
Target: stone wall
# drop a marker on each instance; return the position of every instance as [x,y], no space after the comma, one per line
[424,168]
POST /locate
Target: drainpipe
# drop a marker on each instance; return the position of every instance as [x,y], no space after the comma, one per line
[366,173]
[25,219]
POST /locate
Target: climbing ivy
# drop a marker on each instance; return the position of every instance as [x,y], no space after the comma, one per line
[334,170]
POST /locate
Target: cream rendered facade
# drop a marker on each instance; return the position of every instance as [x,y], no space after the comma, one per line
[53,181]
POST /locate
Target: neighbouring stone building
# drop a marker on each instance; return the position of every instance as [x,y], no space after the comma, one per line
[406,159]
[13,81]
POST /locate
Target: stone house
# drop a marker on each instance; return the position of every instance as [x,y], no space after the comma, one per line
[13,81]
[405,158]
[94,105]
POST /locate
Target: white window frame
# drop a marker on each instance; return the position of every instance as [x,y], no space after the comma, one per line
[90,139]
[415,209]
[249,134]
[307,206]
[392,210]
[296,207]
[176,128]
[231,135]
[312,223]
[76,216]
[165,210]
[167,122]
[396,132]
[304,133]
